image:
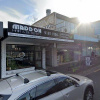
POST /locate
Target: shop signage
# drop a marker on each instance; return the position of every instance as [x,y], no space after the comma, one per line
[87,61]
[31,30]
[1,29]
[67,46]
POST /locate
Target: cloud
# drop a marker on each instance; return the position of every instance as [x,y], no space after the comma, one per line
[71,8]
[5,17]
[39,7]
[28,11]
[65,7]
[15,16]
[29,3]
[25,17]
[14,12]
[36,9]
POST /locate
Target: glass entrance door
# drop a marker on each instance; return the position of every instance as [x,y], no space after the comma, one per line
[38,57]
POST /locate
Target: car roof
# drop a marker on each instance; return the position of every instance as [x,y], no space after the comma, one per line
[16,83]
[5,88]
[34,77]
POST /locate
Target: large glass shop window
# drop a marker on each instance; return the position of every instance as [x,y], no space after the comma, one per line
[20,56]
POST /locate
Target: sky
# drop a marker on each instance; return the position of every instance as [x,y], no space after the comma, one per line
[29,11]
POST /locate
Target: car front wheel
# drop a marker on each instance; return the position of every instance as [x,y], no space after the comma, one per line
[88,94]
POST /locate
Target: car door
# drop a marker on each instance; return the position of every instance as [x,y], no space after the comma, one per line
[47,91]
[68,89]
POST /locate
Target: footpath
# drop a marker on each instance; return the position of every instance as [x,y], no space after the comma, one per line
[82,70]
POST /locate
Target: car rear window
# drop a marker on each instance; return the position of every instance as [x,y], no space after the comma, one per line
[45,89]
[75,78]
[1,97]
[4,97]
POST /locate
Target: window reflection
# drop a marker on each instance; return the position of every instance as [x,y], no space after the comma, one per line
[19,56]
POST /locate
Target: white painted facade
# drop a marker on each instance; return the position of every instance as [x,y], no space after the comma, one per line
[5,73]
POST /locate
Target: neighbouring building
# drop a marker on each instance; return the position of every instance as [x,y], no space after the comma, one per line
[96,27]
[85,39]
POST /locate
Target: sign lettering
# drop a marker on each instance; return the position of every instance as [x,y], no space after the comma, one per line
[31,30]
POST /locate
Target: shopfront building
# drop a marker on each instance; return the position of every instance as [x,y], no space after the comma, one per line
[24,48]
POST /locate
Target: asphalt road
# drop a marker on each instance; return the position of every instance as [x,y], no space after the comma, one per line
[95,76]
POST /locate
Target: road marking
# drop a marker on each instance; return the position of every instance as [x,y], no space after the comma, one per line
[97,70]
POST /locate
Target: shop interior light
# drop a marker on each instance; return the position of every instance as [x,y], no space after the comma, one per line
[13,46]
[64,50]
[90,48]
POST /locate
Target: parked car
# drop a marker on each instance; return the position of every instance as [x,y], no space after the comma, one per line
[46,85]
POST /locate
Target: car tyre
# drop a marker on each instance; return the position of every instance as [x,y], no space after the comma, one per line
[88,94]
